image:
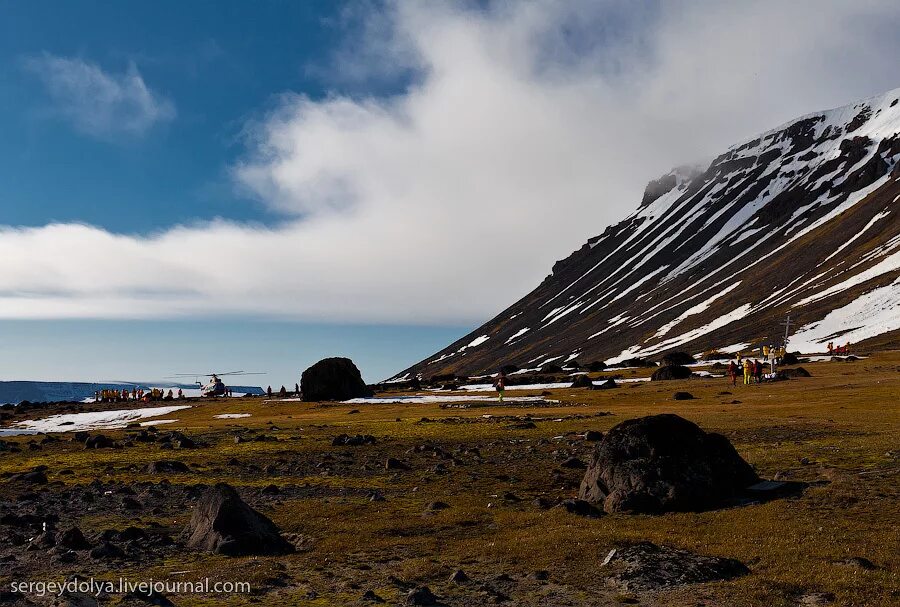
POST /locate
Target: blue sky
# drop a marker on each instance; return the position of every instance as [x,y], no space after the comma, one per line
[218,62]
[368,178]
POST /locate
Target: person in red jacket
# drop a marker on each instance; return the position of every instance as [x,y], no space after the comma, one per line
[733,372]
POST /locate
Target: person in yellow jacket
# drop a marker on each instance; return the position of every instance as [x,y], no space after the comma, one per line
[748,371]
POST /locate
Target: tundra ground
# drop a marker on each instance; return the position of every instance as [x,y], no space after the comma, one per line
[470,499]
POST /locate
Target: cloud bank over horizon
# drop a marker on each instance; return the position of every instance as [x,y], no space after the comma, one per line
[525,129]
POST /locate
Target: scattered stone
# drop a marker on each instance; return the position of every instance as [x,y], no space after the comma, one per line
[35,477]
[459,577]
[539,576]
[178,440]
[796,372]
[421,596]
[99,442]
[222,523]
[543,503]
[671,372]
[663,463]
[166,466]
[371,597]
[579,507]
[683,396]
[522,426]
[129,503]
[858,562]
[72,539]
[434,506]
[106,551]
[395,464]
[573,463]
[345,440]
[333,379]
[645,566]
[816,599]
[143,598]
[593,436]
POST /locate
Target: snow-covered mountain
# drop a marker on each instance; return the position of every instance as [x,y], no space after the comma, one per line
[802,220]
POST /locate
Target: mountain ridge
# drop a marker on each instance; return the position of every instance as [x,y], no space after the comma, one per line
[798,220]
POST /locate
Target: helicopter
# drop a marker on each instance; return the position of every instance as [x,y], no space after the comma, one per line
[215,386]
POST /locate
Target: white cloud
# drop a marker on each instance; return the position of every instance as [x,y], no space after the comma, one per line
[99,103]
[529,128]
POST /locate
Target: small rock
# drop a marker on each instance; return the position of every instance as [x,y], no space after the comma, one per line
[72,539]
[36,477]
[166,466]
[107,550]
[421,596]
[395,464]
[99,442]
[579,507]
[815,599]
[574,463]
[459,577]
[858,562]
[370,596]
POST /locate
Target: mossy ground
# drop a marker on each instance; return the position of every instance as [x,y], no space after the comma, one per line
[844,423]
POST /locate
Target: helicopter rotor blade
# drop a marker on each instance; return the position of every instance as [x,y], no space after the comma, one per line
[240,373]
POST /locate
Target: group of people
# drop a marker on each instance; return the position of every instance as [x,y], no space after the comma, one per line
[838,350]
[113,395]
[752,369]
[283,392]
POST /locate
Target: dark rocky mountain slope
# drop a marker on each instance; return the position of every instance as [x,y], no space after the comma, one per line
[802,220]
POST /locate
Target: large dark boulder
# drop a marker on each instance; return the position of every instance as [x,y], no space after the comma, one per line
[663,463]
[609,384]
[671,372]
[224,524]
[582,381]
[677,358]
[790,358]
[795,372]
[636,362]
[333,379]
[596,365]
